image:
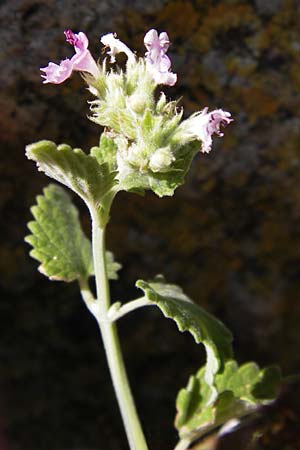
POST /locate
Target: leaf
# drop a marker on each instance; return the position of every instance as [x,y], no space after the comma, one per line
[190,317]
[112,266]
[57,238]
[106,152]
[80,172]
[58,241]
[240,391]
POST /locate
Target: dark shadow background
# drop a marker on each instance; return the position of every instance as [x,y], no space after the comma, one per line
[230,237]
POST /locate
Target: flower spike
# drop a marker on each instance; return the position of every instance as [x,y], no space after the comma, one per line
[158,63]
[82,61]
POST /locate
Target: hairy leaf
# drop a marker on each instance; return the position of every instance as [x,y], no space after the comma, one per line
[112,266]
[80,172]
[190,317]
[240,391]
[106,152]
[58,241]
[57,238]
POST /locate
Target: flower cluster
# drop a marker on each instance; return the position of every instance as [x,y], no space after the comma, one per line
[158,62]
[150,136]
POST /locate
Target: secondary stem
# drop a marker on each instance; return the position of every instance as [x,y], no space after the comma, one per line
[111,343]
[128,307]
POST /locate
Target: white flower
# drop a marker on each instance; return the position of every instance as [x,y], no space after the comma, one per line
[116,46]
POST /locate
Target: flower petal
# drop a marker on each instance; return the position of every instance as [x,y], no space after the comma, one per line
[158,63]
[202,125]
[82,61]
[57,73]
[116,46]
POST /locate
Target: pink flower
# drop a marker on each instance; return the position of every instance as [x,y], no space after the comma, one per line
[203,125]
[82,61]
[158,63]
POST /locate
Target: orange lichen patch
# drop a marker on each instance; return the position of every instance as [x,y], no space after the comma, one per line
[258,103]
[282,31]
[223,18]
[181,17]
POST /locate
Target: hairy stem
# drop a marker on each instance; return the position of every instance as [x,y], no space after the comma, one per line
[183,444]
[111,342]
[115,314]
[87,295]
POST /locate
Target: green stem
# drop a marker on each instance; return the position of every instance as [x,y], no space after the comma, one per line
[111,342]
[183,444]
[115,315]
[87,295]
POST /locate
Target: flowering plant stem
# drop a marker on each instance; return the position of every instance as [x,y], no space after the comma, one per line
[182,444]
[111,341]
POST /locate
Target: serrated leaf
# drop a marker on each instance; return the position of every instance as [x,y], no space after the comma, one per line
[80,172]
[240,391]
[190,317]
[58,241]
[112,266]
[106,152]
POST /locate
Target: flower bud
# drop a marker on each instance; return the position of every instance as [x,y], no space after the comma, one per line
[137,157]
[161,102]
[161,159]
[138,102]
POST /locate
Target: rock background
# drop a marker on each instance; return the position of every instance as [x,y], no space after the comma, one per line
[230,237]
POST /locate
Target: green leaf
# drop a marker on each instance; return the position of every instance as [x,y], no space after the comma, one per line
[112,266]
[58,241]
[240,391]
[106,152]
[190,317]
[80,172]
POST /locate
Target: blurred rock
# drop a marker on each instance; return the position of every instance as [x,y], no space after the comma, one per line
[268,6]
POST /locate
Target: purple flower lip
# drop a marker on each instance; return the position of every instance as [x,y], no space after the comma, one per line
[71,37]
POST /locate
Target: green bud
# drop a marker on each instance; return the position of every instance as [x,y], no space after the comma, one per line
[137,156]
[138,102]
[161,159]
[161,103]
